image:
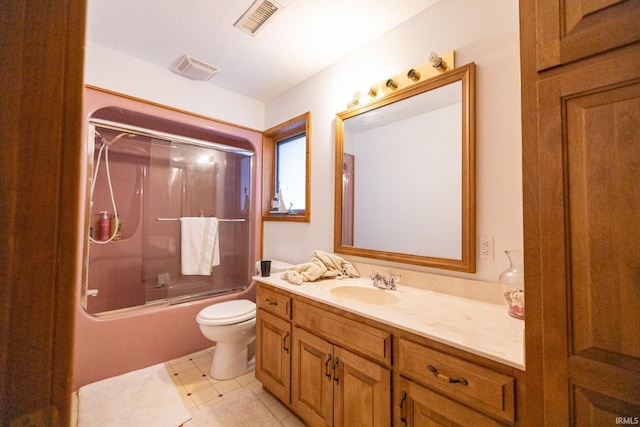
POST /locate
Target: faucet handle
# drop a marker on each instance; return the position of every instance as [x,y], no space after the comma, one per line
[394,279]
[373,274]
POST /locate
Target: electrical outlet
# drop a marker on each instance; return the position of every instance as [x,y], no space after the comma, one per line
[486,248]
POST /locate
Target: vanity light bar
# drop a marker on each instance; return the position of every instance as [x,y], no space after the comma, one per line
[431,68]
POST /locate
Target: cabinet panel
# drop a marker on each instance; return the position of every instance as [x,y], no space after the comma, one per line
[571,30]
[362,392]
[273,302]
[312,378]
[594,409]
[421,407]
[603,147]
[363,338]
[273,358]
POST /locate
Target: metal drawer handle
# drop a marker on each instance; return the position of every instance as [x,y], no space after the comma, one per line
[402,417]
[271,302]
[326,367]
[335,364]
[446,378]
[285,342]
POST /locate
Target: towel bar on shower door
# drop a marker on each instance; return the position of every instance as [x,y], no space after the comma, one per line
[219,219]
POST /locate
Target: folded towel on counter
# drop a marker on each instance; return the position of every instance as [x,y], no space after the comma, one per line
[323,265]
[199,245]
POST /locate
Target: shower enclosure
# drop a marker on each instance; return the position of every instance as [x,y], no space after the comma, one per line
[152,178]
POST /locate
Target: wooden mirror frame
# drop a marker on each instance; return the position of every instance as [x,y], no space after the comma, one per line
[467,263]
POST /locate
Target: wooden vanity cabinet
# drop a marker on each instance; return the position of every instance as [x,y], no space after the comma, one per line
[335,368]
[273,342]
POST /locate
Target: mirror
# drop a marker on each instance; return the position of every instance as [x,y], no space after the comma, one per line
[405,175]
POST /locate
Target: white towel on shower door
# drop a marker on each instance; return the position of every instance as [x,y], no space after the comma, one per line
[199,245]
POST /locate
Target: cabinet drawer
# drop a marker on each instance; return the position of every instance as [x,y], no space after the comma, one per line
[482,388]
[420,406]
[345,332]
[273,302]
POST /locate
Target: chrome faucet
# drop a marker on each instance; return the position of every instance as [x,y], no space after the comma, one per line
[382,283]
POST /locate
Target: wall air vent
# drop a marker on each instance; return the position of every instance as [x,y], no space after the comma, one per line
[257,16]
[194,68]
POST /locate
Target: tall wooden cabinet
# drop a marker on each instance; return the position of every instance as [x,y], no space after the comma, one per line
[581,174]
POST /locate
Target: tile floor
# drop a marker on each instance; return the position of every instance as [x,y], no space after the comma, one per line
[198,389]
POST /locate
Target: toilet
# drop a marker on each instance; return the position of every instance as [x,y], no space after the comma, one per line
[232,325]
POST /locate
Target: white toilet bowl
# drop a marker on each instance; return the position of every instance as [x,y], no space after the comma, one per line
[232,325]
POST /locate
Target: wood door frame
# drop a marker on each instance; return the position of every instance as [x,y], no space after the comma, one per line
[40,168]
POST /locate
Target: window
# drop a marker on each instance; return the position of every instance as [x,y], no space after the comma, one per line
[291,154]
[286,163]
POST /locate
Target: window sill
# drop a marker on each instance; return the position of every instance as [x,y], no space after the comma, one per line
[285,216]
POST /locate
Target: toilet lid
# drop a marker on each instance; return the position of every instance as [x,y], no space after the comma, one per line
[227,313]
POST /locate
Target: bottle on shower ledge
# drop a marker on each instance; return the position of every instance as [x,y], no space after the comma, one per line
[103,226]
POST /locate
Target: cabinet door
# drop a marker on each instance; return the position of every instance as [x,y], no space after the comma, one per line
[362,392]
[589,119]
[273,358]
[418,406]
[571,30]
[312,378]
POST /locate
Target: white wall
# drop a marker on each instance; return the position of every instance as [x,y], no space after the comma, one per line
[485,32]
[117,72]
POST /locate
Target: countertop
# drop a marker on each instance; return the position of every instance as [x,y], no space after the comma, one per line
[477,327]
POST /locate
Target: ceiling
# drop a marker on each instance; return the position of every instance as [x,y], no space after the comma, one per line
[305,37]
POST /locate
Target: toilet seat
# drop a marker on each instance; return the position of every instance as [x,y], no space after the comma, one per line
[227,313]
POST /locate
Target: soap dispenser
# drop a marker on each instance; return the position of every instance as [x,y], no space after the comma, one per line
[103,226]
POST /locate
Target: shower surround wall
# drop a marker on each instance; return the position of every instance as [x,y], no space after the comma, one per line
[114,267]
[108,346]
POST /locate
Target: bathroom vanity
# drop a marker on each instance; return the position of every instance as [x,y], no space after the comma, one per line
[341,352]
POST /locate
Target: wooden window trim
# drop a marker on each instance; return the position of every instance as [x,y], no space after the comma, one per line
[292,127]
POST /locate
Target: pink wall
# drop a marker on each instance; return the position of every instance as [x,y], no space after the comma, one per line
[113,345]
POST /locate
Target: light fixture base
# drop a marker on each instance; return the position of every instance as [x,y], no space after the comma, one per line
[421,72]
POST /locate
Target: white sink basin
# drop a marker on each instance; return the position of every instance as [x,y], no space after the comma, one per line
[373,296]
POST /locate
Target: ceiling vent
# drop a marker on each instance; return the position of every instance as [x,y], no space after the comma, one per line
[194,68]
[257,16]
